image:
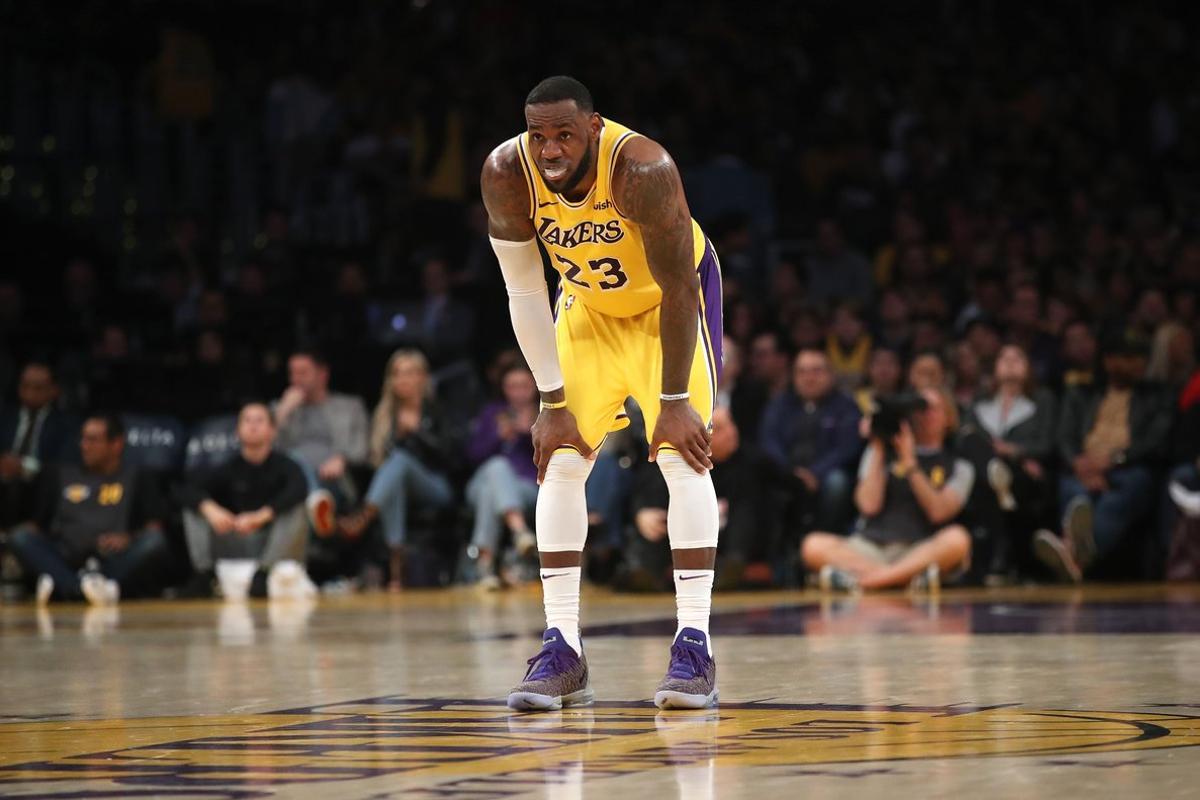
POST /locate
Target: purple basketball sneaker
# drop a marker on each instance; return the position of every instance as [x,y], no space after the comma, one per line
[691,680]
[556,677]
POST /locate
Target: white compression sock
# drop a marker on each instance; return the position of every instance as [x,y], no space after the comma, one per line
[562,528]
[560,596]
[692,523]
[693,600]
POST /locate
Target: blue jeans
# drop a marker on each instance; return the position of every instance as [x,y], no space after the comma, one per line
[402,480]
[40,554]
[343,490]
[494,490]
[607,491]
[1129,497]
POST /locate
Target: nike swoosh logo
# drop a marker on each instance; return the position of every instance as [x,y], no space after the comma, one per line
[689,577]
[554,575]
[548,203]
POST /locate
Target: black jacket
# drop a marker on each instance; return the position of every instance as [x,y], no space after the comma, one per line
[1150,419]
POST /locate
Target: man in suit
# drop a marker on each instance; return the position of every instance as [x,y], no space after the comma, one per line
[32,434]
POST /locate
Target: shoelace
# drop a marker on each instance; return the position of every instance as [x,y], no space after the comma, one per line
[686,663]
[547,663]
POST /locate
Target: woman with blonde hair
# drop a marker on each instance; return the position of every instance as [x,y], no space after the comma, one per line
[412,454]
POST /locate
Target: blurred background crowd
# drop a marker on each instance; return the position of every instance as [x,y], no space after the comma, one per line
[994,208]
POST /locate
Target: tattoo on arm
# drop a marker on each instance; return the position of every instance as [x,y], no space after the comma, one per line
[649,192]
[506,195]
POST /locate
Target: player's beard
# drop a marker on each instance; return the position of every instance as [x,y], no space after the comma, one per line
[575,177]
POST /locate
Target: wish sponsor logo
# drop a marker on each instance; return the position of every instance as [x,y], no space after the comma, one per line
[479,749]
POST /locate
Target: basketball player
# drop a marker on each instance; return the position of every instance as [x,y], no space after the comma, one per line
[638,314]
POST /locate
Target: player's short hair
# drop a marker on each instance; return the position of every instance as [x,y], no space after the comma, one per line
[558,88]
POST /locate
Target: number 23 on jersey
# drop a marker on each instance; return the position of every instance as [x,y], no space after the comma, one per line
[610,268]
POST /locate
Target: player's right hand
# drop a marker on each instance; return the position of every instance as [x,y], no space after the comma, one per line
[555,428]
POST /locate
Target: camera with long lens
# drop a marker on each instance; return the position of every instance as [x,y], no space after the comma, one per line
[891,410]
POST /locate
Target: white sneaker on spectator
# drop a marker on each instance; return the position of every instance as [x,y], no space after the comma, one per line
[321,511]
[1000,477]
[1187,501]
[526,543]
[45,588]
[832,579]
[490,583]
[927,581]
[99,590]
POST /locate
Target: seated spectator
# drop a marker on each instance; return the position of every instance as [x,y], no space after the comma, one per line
[1019,419]
[608,490]
[969,381]
[984,338]
[412,452]
[848,346]
[250,507]
[909,492]
[103,516]
[32,434]
[325,432]
[1172,356]
[1182,524]
[445,327]
[812,431]
[837,271]
[504,487]
[746,483]
[744,397]
[885,373]
[927,370]
[1078,354]
[769,363]
[1026,317]
[1109,439]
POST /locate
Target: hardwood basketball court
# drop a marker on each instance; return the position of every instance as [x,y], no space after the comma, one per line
[998,693]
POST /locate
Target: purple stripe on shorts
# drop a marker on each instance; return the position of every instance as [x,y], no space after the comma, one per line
[710,289]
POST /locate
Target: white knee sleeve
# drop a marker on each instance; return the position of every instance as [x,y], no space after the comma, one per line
[692,520]
[561,504]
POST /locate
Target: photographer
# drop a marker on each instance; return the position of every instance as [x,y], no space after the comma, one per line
[910,490]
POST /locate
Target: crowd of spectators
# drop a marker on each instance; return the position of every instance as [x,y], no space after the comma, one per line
[994,212]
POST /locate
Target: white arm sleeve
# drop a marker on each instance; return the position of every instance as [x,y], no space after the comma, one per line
[529,306]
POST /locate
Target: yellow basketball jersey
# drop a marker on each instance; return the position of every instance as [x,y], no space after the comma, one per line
[597,250]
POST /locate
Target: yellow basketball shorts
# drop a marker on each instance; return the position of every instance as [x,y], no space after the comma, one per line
[605,359]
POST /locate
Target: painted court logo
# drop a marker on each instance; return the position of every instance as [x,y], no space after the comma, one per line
[450,748]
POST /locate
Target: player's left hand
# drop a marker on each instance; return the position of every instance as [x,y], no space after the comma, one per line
[681,427]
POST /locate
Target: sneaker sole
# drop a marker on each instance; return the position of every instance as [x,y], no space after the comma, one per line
[530,701]
[1053,553]
[667,700]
